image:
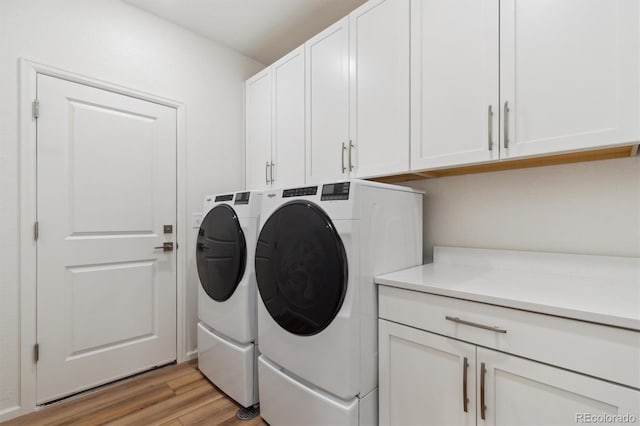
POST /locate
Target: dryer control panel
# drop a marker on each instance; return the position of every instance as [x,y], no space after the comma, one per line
[335,191]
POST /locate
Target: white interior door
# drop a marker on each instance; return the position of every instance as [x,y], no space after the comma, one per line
[380,87]
[259,171]
[569,74]
[106,298]
[288,119]
[327,114]
[454,72]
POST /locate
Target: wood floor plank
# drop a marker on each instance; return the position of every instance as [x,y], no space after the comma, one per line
[178,395]
[98,399]
[193,385]
[185,380]
[219,410]
[135,403]
[174,422]
[171,408]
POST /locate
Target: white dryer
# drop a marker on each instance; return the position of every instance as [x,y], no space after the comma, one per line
[227,327]
[317,253]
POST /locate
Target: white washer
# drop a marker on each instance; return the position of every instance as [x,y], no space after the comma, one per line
[318,250]
[227,327]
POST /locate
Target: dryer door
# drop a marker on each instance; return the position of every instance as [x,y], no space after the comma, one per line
[301,268]
[221,252]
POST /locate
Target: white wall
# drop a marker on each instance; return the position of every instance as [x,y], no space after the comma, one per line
[585,208]
[115,42]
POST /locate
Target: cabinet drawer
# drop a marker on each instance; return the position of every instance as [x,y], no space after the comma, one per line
[598,350]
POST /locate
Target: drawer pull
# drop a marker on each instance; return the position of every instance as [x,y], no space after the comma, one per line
[475,324]
[465,398]
[483,407]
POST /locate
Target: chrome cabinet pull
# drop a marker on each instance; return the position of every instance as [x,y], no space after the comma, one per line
[266,174]
[344,169]
[350,162]
[506,124]
[271,172]
[475,324]
[465,399]
[483,408]
[490,127]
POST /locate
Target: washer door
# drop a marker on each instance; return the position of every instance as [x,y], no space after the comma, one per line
[221,252]
[301,268]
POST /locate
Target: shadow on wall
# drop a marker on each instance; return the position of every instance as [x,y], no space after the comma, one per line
[582,208]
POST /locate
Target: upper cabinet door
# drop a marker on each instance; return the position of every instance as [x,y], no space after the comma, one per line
[380,88]
[569,74]
[327,103]
[454,82]
[258,130]
[288,119]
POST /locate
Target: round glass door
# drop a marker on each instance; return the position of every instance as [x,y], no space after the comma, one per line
[221,252]
[301,268]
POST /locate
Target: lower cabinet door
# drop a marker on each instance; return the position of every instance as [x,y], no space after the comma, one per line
[425,379]
[517,391]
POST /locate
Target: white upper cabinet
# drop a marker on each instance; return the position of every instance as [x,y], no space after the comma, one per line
[327,103]
[454,79]
[379,38]
[288,119]
[258,130]
[413,85]
[569,74]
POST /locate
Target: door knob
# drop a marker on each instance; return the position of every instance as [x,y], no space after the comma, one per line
[165,246]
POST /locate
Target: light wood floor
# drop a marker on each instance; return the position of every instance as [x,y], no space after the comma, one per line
[173,396]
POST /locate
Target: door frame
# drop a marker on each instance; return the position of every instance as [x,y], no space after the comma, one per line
[27,209]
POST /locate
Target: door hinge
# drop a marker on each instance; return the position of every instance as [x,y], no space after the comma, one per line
[35,108]
[36,230]
[36,352]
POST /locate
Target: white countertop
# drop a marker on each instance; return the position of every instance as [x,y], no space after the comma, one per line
[603,290]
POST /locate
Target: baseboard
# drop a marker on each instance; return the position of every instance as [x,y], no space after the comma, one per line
[191,355]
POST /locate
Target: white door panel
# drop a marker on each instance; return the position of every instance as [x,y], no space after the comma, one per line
[569,73]
[380,87]
[454,82]
[517,390]
[422,378]
[106,186]
[327,103]
[258,131]
[288,119]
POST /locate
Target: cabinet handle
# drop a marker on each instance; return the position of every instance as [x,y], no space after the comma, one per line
[506,124]
[483,408]
[266,173]
[490,127]
[271,172]
[350,162]
[344,169]
[465,400]
[475,324]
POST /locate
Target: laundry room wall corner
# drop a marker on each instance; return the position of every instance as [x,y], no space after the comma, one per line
[127,47]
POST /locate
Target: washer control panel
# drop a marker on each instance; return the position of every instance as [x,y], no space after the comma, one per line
[300,192]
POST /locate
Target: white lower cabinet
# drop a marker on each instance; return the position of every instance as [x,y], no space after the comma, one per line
[424,378]
[517,391]
[429,379]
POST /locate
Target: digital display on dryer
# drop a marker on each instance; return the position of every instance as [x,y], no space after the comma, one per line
[242,198]
[335,191]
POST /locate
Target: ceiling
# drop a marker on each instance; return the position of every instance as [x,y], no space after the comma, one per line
[262,29]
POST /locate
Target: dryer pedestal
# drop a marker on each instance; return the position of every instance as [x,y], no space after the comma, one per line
[291,402]
[231,366]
